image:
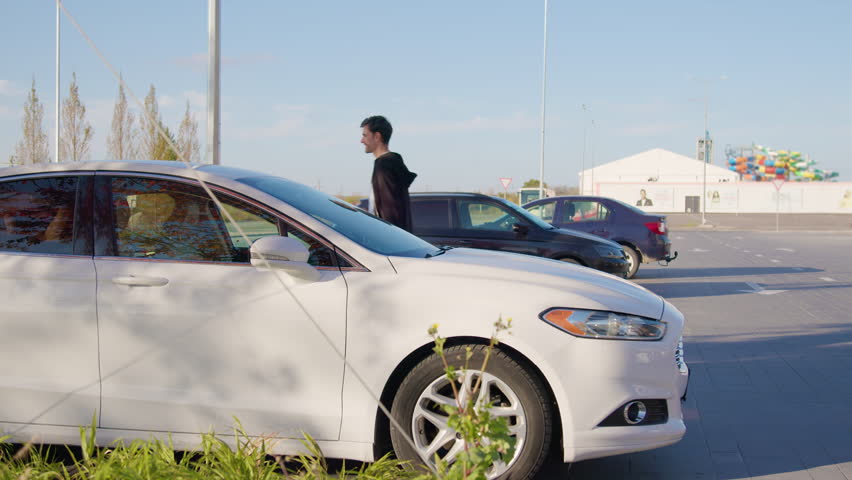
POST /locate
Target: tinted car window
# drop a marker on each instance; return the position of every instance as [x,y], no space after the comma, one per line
[157,218]
[431,214]
[584,211]
[37,215]
[479,215]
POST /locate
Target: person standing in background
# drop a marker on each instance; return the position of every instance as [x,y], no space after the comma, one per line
[391,178]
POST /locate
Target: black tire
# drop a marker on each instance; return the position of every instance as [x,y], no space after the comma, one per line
[634,261]
[529,389]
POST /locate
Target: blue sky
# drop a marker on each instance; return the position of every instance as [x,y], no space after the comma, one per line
[460,80]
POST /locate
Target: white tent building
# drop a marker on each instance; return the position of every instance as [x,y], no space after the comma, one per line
[662,181]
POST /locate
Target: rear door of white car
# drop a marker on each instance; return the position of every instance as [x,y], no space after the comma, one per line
[48,322]
[192,335]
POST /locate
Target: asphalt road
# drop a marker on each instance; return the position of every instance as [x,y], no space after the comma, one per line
[769,343]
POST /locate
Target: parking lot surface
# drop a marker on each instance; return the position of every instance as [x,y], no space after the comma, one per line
[769,343]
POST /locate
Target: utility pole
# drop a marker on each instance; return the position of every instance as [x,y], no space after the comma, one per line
[543,91]
[213,55]
[56,97]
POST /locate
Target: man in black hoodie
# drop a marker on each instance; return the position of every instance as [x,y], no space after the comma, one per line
[391,178]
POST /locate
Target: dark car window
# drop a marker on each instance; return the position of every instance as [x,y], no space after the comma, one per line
[543,211]
[37,215]
[583,211]
[428,214]
[483,215]
[157,218]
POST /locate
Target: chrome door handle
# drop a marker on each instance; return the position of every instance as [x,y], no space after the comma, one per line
[134,281]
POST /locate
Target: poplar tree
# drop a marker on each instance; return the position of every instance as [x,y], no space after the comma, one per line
[121,141]
[187,139]
[33,146]
[75,141]
[150,136]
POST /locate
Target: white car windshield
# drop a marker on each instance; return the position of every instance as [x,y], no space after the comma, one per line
[348,220]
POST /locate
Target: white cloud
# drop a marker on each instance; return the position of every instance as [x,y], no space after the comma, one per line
[196,99]
[650,129]
[515,121]
[166,101]
[198,61]
[9,88]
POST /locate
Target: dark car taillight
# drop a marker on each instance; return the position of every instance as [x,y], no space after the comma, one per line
[659,228]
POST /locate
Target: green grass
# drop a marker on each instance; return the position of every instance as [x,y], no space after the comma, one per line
[155,459]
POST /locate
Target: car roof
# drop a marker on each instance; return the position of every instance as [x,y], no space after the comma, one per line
[450,194]
[143,166]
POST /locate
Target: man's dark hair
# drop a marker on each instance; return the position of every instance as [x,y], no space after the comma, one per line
[378,123]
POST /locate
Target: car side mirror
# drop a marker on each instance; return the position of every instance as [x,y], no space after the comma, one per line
[283,253]
[520,229]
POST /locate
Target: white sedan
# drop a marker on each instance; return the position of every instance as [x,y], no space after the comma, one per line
[128,294]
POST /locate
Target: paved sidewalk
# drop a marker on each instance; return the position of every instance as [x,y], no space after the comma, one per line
[761,221]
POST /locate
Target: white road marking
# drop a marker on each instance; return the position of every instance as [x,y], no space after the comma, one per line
[747,251]
[775,261]
[758,254]
[827,279]
[738,238]
[699,250]
[755,288]
[678,238]
[786,250]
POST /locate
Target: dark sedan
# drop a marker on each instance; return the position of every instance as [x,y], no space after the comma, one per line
[643,235]
[480,221]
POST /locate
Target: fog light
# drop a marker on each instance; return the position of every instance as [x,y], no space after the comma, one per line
[635,412]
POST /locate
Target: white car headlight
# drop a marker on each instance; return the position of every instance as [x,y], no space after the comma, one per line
[604,325]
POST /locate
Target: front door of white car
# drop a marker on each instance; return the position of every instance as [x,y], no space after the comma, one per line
[192,336]
[48,322]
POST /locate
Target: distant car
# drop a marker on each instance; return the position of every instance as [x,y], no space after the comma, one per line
[643,235]
[480,221]
[132,302]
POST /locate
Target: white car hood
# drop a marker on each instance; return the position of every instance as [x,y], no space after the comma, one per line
[565,285]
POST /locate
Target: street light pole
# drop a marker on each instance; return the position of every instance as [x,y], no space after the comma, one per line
[543,91]
[583,158]
[706,141]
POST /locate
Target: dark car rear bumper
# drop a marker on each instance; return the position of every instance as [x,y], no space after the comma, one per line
[660,249]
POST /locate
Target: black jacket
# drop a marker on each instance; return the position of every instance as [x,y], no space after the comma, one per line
[391,179]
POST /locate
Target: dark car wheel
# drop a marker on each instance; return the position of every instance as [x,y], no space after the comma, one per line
[633,260]
[569,260]
[516,394]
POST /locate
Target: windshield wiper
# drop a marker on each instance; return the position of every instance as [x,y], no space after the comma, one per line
[441,250]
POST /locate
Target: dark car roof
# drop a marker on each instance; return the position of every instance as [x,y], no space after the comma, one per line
[450,194]
[636,211]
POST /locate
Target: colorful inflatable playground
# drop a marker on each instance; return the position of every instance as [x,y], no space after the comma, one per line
[760,164]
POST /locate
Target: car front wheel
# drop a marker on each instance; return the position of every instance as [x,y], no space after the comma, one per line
[515,393]
[633,261]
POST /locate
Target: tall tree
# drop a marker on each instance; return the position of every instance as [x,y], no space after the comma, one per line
[76,138]
[187,139]
[149,122]
[33,146]
[121,141]
[162,148]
